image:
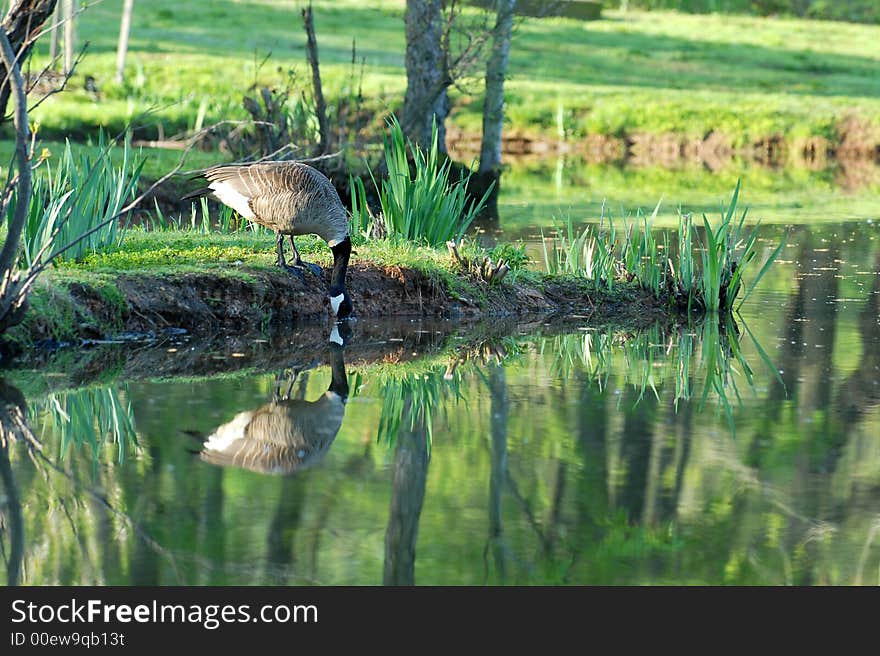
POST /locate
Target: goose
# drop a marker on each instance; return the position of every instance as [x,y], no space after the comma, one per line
[285,435]
[290,198]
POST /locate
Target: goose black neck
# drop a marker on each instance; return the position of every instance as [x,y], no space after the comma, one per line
[339,379]
[341,255]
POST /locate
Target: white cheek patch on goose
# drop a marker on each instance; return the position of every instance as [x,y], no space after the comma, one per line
[335,337]
[232,198]
[335,302]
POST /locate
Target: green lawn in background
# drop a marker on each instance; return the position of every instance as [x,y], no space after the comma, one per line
[635,72]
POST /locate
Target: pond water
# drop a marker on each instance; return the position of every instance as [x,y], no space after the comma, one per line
[435,453]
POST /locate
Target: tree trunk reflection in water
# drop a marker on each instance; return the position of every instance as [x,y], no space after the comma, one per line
[788,362]
[211,530]
[12,510]
[636,450]
[669,448]
[407,496]
[142,500]
[109,558]
[814,393]
[592,493]
[280,554]
[498,476]
[860,391]
[13,428]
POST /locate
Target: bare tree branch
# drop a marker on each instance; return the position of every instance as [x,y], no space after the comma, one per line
[65,78]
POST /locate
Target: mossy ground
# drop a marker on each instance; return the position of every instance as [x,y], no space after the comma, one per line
[210,281]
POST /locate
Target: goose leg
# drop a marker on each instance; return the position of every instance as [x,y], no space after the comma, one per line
[298,261]
[280,261]
[279,246]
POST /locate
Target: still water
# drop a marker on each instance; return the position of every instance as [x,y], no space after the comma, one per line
[436,453]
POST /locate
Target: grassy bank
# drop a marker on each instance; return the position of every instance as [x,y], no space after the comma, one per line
[652,72]
[205,282]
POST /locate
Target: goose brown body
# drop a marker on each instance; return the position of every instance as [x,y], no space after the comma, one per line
[290,198]
[284,435]
[281,437]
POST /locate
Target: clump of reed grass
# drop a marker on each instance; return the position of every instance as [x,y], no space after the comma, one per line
[711,284]
[421,203]
[76,195]
[727,252]
[605,256]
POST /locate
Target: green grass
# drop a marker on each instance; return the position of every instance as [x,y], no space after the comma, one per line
[849,10]
[639,71]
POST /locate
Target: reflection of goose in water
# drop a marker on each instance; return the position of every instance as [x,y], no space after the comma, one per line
[285,435]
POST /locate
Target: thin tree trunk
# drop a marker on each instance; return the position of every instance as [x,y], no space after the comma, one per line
[320,105]
[493,106]
[500,406]
[53,35]
[124,31]
[69,36]
[426,99]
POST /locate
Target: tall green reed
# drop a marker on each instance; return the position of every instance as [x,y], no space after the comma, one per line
[604,256]
[711,283]
[77,194]
[727,251]
[201,220]
[420,203]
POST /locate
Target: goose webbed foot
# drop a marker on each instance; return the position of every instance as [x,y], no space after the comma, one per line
[295,270]
[314,268]
[301,268]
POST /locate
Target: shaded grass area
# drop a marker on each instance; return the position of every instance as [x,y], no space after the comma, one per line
[638,71]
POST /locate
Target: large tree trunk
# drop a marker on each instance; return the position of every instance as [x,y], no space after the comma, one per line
[493,106]
[22,24]
[426,79]
[124,31]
